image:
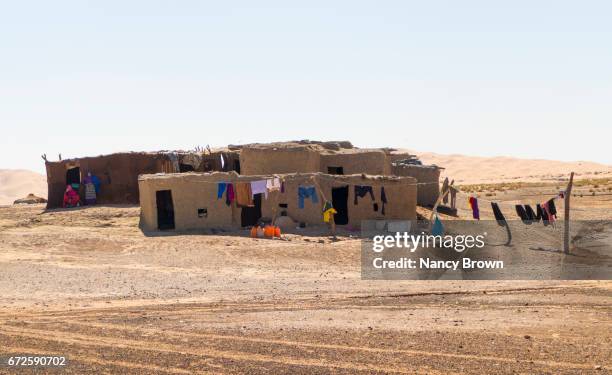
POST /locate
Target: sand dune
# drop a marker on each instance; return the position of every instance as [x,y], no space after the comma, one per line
[476,169]
[17,183]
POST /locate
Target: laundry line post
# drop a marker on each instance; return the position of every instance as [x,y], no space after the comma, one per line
[568,195]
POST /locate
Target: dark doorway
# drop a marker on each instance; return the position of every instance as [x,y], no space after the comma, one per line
[185,168]
[165,209]
[340,202]
[237,166]
[335,170]
[73,176]
[249,216]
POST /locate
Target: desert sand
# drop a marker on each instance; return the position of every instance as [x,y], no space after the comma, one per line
[89,284]
[477,169]
[18,183]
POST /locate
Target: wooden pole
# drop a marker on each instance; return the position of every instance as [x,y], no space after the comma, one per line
[566,234]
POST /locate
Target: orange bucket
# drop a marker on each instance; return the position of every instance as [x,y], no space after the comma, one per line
[269,231]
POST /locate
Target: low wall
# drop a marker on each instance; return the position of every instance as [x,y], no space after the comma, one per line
[193,191]
[428,178]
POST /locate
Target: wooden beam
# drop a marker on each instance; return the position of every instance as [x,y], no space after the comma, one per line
[566,233]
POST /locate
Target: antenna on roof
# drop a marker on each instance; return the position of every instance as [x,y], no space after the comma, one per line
[59,156]
[44,156]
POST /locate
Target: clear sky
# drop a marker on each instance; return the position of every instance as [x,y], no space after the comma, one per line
[529,79]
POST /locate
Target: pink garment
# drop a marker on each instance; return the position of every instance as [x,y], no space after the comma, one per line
[230,192]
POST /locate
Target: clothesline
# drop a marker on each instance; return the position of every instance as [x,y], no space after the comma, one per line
[300,177]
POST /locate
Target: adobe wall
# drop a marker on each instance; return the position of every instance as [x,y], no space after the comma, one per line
[118,174]
[257,161]
[428,178]
[368,162]
[191,191]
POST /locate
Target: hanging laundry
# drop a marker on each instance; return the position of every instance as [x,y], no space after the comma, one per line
[549,212]
[474,205]
[499,216]
[221,186]
[229,196]
[361,191]
[383,199]
[243,194]
[552,208]
[222,162]
[444,190]
[328,211]
[259,187]
[532,215]
[282,189]
[453,196]
[90,190]
[96,181]
[437,229]
[307,192]
[273,184]
[522,213]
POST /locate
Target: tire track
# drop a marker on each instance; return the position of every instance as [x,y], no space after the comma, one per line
[407,352]
[156,346]
[97,361]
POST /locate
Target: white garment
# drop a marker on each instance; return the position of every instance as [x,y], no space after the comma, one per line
[273,184]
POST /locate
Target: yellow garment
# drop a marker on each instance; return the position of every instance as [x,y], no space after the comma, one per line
[328,214]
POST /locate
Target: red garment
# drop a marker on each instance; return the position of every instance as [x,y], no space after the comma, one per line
[71,197]
[551,218]
[474,206]
[229,195]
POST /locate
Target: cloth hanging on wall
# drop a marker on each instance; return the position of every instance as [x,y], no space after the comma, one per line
[243,194]
[259,187]
[273,184]
[361,191]
[221,186]
[499,216]
[222,162]
[96,181]
[229,196]
[383,199]
[307,192]
[474,205]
